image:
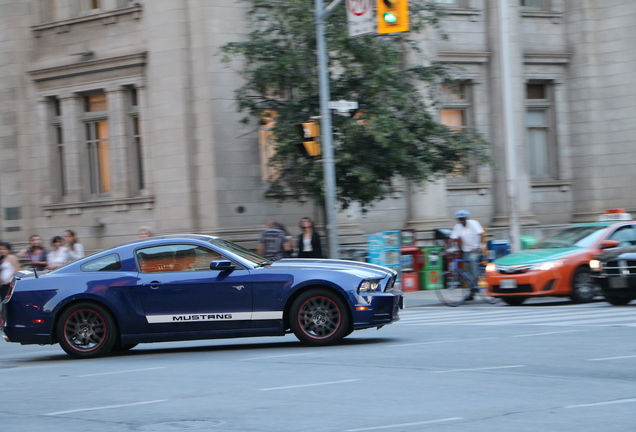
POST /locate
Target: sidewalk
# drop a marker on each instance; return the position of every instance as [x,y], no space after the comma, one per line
[420,298]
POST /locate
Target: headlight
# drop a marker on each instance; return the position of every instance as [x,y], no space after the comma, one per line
[595,265]
[369,286]
[491,267]
[548,265]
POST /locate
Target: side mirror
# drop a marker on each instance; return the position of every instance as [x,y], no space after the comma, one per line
[609,244]
[222,265]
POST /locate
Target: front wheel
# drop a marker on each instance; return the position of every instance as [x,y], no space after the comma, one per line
[320,317]
[618,301]
[86,330]
[453,293]
[583,290]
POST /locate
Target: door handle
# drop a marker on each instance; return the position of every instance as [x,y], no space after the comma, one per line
[155,284]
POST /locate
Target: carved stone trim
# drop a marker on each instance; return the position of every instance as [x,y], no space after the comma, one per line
[116,204]
[88,67]
[463,57]
[546,58]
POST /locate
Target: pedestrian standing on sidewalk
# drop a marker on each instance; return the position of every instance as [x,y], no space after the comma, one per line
[36,254]
[9,264]
[75,248]
[309,240]
[271,242]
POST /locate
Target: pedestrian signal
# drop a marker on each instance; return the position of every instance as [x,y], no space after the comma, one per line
[310,139]
[392,16]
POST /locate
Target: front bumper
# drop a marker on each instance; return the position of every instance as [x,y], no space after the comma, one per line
[377,309]
[532,283]
[616,286]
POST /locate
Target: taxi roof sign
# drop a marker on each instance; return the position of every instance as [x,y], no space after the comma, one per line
[615,215]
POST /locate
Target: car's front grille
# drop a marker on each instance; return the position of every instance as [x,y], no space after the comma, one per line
[523,288]
[513,269]
[619,267]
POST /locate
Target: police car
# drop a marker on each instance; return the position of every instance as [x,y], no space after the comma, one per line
[558,265]
[187,287]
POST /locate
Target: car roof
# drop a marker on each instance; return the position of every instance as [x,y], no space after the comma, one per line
[202,237]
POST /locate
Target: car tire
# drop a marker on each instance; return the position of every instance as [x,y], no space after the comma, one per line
[86,330]
[514,301]
[320,317]
[583,290]
[119,347]
[618,301]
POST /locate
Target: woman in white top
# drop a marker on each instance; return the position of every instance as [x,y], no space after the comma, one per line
[58,255]
[9,264]
[75,248]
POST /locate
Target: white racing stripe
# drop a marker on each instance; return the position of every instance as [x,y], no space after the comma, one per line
[214,316]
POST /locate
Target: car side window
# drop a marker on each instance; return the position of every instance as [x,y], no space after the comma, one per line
[110,262]
[175,258]
[626,235]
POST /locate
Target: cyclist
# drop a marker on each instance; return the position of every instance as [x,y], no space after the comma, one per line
[469,235]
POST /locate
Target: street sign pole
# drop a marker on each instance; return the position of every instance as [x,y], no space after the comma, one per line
[329,173]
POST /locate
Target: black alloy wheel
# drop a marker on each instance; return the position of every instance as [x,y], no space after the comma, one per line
[86,330]
[320,317]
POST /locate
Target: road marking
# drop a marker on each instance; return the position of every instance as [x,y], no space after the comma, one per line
[104,407]
[620,401]
[479,369]
[308,385]
[118,372]
[612,358]
[405,424]
[275,356]
[546,333]
[432,342]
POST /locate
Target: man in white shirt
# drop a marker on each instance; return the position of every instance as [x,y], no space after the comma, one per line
[470,235]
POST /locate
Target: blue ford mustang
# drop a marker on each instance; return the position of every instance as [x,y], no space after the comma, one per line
[188,287]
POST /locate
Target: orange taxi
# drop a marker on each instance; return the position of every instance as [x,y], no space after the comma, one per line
[558,265]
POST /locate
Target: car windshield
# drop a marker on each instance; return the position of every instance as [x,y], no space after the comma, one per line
[581,236]
[240,251]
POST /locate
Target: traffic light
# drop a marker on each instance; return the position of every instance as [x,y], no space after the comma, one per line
[309,134]
[392,16]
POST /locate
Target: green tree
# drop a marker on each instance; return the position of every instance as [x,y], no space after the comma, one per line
[393,135]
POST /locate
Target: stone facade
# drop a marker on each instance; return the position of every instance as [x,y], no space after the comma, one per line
[167,149]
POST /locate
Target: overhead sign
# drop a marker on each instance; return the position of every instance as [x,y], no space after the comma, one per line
[361,17]
[343,105]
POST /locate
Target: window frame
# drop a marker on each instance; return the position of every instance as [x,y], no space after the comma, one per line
[546,105]
[464,104]
[98,167]
[171,262]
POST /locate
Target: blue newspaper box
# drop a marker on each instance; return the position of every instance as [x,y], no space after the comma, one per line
[498,248]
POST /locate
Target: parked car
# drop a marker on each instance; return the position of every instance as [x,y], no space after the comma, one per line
[188,287]
[614,273]
[558,265]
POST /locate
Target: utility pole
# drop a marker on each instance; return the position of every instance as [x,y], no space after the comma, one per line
[329,173]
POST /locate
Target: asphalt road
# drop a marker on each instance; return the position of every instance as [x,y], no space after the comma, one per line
[550,367]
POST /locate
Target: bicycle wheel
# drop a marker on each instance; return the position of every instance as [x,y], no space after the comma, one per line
[453,293]
[483,296]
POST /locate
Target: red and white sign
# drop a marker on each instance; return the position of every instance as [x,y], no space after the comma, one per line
[361,17]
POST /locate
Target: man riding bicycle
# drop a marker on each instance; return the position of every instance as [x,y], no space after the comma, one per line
[469,235]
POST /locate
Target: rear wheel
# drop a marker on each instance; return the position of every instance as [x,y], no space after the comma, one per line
[453,293]
[320,317]
[514,301]
[583,290]
[618,301]
[86,330]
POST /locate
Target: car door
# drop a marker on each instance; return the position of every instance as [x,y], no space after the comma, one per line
[179,291]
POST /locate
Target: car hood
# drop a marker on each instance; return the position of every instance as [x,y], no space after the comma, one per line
[532,256]
[359,268]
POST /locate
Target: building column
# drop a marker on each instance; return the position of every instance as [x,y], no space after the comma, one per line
[117,117]
[74,155]
[498,136]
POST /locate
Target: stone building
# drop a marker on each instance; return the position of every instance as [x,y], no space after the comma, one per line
[116,114]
